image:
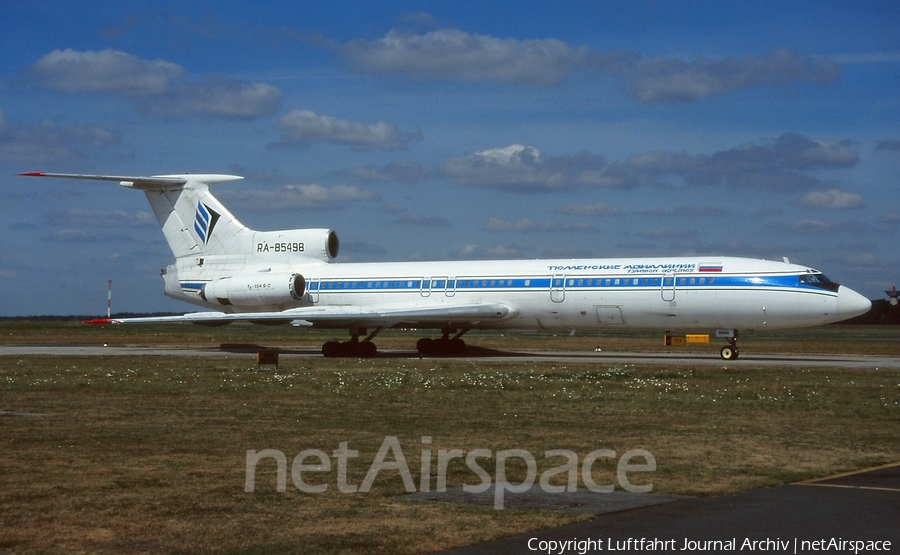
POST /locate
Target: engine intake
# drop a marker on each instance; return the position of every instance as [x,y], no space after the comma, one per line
[256,290]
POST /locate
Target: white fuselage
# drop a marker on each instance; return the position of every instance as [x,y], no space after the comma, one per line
[661,293]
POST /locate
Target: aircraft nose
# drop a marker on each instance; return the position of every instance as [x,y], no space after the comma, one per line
[851,303]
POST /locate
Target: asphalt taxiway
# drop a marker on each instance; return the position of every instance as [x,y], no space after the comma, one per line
[857,512]
[476,354]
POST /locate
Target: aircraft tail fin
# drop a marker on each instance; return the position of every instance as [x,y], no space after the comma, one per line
[193,221]
[197,225]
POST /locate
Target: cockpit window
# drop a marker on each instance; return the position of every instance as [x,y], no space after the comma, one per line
[820,280]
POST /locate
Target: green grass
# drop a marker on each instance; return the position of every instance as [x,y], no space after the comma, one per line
[147,454]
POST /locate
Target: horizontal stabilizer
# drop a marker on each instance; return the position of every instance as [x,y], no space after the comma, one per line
[153,182]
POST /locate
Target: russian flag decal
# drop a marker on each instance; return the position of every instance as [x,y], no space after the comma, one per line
[710,268]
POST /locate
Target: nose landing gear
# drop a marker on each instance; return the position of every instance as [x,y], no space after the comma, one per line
[730,351]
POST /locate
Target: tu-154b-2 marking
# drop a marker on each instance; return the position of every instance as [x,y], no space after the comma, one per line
[289,276]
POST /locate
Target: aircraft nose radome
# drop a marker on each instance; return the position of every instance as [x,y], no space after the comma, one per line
[851,303]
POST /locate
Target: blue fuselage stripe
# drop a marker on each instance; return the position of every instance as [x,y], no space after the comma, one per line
[692,282]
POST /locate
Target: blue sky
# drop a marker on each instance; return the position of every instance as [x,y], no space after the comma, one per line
[451,130]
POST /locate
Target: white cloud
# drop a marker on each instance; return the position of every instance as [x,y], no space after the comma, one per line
[47,142]
[159,87]
[220,96]
[776,165]
[109,71]
[832,198]
[770,165]
[316,194]
[455,55]
[668,80]
[303,127]
[515,168]
[451,54]
[298,196]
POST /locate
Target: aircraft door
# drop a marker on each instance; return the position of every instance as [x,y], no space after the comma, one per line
[558,288]
[667,289]
[450,287]
[427,282]
[312,288]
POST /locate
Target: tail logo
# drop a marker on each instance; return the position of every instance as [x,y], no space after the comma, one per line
[205,222]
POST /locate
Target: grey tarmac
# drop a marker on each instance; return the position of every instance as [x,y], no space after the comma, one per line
[805,517]
[617,357]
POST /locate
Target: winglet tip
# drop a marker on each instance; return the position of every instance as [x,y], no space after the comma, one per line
[33,174]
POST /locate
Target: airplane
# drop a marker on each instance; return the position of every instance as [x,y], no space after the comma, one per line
[290,277]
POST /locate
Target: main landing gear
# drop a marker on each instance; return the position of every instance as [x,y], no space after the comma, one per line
[354,347]
[445,346]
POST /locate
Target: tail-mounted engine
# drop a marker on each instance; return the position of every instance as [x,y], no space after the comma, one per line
[256,290]
[321,244]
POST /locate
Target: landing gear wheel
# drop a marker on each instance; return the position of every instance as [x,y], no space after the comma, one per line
[456,346]
[331,349]
[425,346]
[367,349]
[729,352]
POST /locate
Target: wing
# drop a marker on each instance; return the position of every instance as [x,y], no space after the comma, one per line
[342,316]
